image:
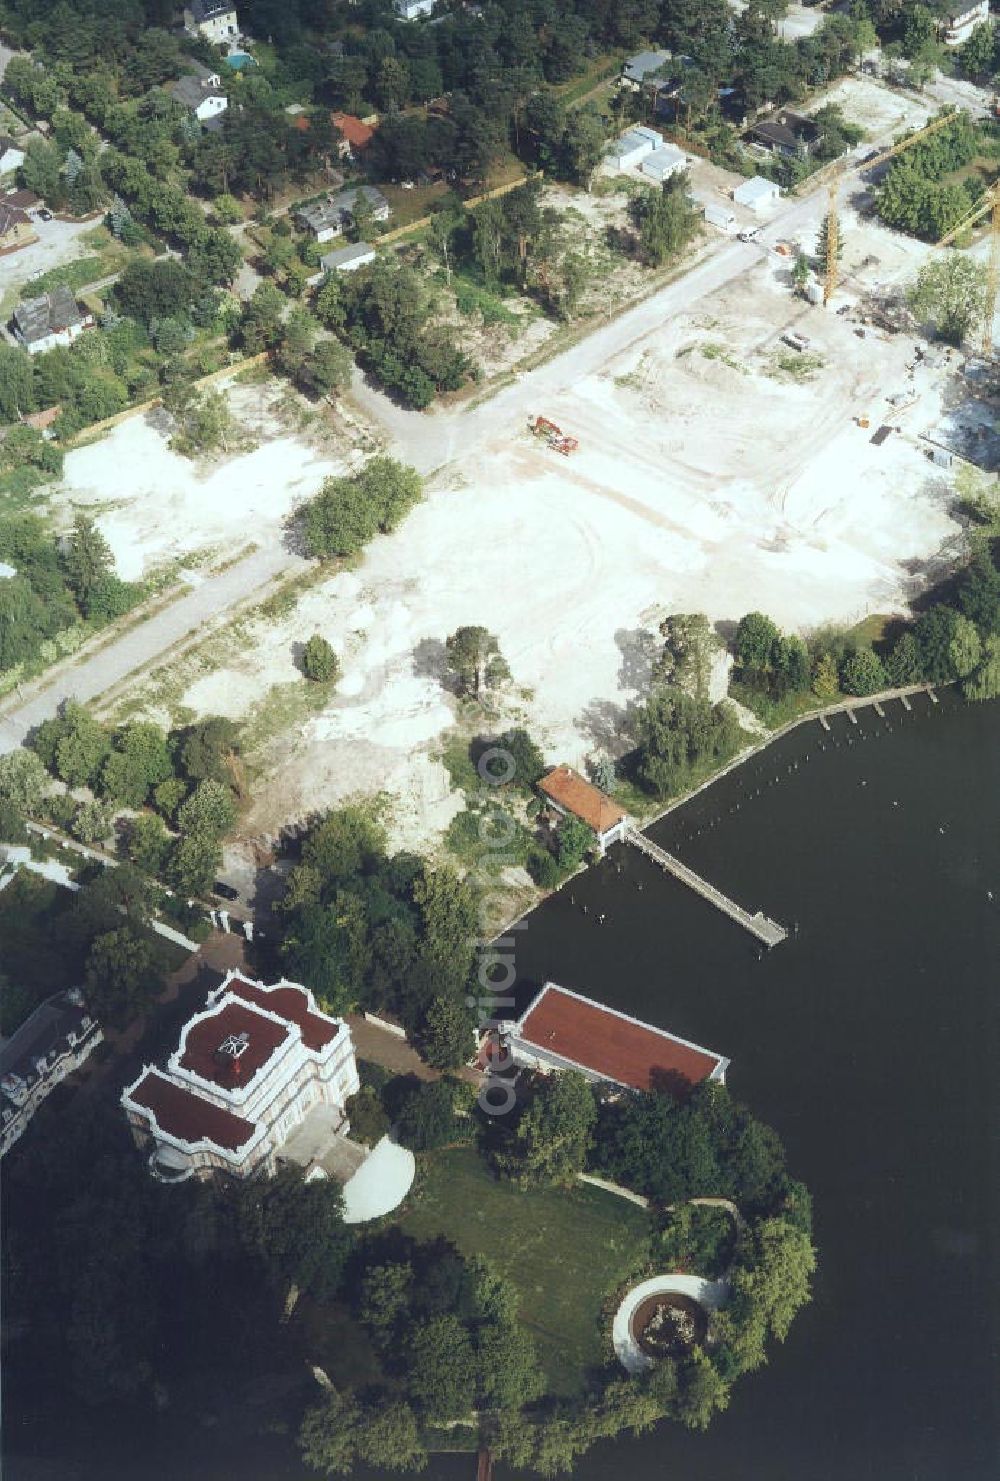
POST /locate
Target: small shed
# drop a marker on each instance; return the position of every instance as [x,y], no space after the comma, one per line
[756,193]
[720,217]
[664,162]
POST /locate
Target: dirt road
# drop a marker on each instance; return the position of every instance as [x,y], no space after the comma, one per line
[145,643]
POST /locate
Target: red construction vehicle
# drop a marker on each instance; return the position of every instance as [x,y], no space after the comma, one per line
[554,436]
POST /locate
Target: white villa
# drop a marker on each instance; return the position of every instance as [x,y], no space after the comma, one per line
[49,1045]
[247,1072]
[216,20]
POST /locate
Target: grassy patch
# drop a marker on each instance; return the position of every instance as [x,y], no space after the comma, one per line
[715,351]
[776,712]
[283,706]
[794,365]
[458,763]
[471,299]
[488,837]
[564,1249]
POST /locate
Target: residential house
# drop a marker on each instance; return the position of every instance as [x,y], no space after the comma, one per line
[11,157]
[562,1030]
[48,1046]
[15,228]
[663,162]
[571,795]
[348,259]
[644,69]
[756,193]
[959,24]
[216,20]
[203,95]
[53,319]
[633,146]
[786,133]
[355,136]
[248,1071]
[328,218]
[411,10]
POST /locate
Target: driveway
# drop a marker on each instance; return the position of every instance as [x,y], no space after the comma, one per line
[58,243]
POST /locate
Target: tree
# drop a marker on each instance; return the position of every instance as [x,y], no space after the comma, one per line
[933,633]
[553,1133]
[509,1373]
[449,921]
[442,1369]
[139,761]
[677,733]
[88,559]
[666,220]
[984,682]
[92,821]
[574,841]
[23,780]
[862,673]
[429,1117]
[965,648]
[523,761]
[208,749]
[950,294]
[769,1283]
[194,862]
[329,368]
[260,325]
[701,1392]
[447,1037]
[475,659]
[823,245]
[979,594]
[386,1293]
[205,425]
[341,1430]
[209,812]
[825,676]
[903,665]
[690,649]
[296,1229]
[756,635]
[319,661]
[147,843]
[120,977]
[348,512]
[82,746]
[582,144]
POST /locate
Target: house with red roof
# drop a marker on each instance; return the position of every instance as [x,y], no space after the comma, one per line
[571,795]
[247,1072]
[562,1030]
[355,135]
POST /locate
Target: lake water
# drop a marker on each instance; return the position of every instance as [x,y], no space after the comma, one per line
[869,1040]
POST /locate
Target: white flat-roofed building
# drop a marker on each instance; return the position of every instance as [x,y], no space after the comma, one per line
[663,162]
[634,145]
[959,24]
[757,193]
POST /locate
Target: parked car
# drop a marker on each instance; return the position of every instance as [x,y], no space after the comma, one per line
[750,234]
[44,215]
[225,891]
[795,340]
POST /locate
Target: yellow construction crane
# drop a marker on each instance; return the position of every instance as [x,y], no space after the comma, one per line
[989,205]
[839,173]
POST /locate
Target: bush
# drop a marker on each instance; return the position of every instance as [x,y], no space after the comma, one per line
[319,661]
[92,822]
[862,673]
[367,1116]
[543,868]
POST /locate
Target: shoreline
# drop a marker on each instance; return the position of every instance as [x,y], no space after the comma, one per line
[748,752]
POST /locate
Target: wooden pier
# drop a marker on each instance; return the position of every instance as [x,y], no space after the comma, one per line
[852,717]
[484,1465]
[904,700]
[932,696]
[825,723]
[878,709]
[765,930]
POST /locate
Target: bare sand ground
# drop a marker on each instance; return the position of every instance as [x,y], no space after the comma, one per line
[707,479]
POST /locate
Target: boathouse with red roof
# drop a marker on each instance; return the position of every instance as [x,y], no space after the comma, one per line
[562,1030]
[571,795]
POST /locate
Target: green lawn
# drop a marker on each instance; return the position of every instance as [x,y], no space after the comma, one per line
[565,1250]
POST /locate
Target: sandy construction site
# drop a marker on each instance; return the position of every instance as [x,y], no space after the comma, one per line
[718,471]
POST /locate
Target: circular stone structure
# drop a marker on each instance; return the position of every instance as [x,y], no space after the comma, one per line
[641,1303]
[669,1325]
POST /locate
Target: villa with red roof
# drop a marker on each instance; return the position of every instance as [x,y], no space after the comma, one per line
[247,1071]
[571,795]
[562,1030]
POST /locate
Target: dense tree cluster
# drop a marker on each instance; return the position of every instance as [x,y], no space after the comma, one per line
[915,197]
[679,735]
[393,932]
[350,511]
[57,585]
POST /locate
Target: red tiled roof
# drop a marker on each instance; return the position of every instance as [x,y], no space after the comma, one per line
[201,1048]
[357,134]
[183,1114]
[611,1045]
[569,789]
[291,1003]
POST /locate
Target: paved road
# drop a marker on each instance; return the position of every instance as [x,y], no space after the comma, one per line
[143,644]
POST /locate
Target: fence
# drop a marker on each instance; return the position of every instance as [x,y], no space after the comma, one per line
[470,205]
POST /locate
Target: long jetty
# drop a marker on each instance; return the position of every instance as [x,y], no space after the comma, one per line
[758,925]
